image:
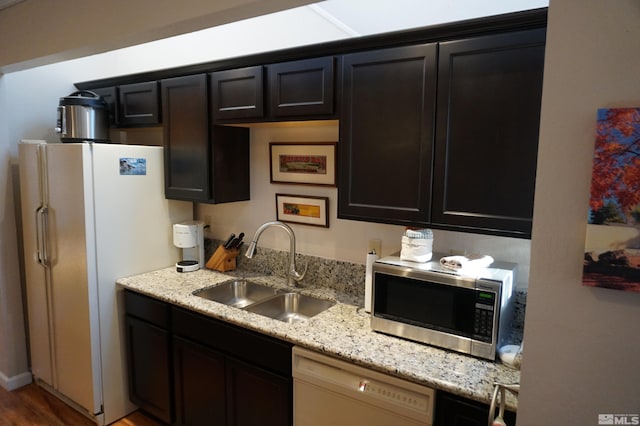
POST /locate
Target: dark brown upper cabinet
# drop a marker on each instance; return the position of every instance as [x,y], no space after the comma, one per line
[138,104]
[203,162]
[301,88]
[237,93]
[296,90]
[488,114]
[186,137]
[386,134]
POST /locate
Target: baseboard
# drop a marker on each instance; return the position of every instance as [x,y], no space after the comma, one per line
[15,382]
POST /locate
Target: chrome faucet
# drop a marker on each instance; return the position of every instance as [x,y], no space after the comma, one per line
[293,276]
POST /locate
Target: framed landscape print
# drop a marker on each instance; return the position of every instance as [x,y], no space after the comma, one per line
[303,163]
[302,209]
[612,246]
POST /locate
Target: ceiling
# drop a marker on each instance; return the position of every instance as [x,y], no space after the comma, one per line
[7,3]
[355,18]
[365,17]
[360,17]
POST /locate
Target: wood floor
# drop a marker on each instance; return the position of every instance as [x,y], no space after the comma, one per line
[33,406]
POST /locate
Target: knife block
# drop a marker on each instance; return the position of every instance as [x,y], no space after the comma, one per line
[223,259]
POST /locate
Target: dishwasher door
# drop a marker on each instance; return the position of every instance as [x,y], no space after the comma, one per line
[327,391]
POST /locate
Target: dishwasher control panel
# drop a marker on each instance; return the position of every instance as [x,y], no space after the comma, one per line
[394,394]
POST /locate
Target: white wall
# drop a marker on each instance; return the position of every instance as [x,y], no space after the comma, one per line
[13,355]
[582,343]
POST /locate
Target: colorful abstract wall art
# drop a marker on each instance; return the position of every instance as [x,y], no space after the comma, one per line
[612,246]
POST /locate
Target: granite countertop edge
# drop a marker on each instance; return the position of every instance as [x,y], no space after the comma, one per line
[342,331]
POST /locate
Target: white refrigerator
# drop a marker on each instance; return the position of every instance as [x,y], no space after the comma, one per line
[91,213]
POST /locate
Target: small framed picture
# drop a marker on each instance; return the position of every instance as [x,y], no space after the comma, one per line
[303,163]
[302,209]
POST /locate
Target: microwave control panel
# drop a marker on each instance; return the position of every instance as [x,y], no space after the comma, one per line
[484,315]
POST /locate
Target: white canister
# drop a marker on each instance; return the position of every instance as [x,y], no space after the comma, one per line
[416,249]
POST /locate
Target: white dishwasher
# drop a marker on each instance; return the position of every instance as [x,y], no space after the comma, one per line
[327,391]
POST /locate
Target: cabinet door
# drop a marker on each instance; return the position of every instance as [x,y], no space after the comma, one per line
[199,384]
[186,137]
[229,159]
[455,410]
[148,352]
[257,397]
[138,104]
[237,93]
[489,92]
[386,135]
[301,88]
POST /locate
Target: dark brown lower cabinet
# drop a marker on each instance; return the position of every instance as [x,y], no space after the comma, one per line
[257,397]
[199,384]
[148,350]
[214,389]
[452,410]
[188,369]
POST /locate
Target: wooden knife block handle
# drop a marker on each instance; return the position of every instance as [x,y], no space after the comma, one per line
[223,259]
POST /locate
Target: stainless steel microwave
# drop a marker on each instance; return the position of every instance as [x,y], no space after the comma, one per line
[465,311]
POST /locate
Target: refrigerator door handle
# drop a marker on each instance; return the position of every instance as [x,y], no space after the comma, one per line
[41,236]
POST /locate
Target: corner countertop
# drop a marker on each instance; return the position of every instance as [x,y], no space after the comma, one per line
[342,331]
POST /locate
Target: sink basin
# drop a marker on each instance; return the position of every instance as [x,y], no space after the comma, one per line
[236,293]
[290,307]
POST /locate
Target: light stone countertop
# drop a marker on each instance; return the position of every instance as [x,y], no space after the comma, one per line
[342,331]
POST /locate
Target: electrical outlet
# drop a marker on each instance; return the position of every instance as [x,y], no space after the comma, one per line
[207,221]
[376,245]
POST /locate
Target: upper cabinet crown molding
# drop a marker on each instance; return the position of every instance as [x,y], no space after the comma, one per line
[533,18]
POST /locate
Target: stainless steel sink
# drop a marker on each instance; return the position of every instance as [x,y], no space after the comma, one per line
[237,293]
[290,307]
